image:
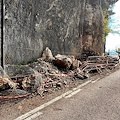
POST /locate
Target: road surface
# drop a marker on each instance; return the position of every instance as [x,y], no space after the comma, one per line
[98,100]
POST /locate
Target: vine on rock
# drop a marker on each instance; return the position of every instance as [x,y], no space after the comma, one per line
[106,30]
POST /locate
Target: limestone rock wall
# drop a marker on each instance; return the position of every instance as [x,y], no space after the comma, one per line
[21,42]
[92,35]
[65,26]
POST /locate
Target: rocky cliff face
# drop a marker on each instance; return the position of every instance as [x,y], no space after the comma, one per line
[93,25]
[65,26]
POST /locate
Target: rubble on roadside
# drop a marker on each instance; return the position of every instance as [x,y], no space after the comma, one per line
[6,80]
[67,62]
[47,56]
[55,72]
[63,61]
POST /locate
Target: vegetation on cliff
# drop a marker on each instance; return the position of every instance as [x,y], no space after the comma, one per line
[118,50]
[106,30]
[106,4]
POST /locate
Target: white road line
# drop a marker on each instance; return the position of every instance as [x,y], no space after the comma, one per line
[73,93]
[26,115]
[22,117]
[82,85]
[95,80]
[34,116]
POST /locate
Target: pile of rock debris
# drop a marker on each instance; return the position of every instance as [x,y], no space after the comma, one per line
[51,72]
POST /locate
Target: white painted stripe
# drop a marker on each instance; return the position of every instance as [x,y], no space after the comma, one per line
[73,93]
[82,85]
[95,80]
[26,115]
[34,116]
[42,106]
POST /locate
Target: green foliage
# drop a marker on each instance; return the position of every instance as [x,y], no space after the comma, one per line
[106,30]
[23,63]
[32,61]
[29,62]
[118,50]
[108,4]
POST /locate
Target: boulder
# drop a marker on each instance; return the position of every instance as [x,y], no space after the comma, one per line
[76,64]
[28,84]
[72,58]
[31,84]
[63,61]
[7,81]
[47,56]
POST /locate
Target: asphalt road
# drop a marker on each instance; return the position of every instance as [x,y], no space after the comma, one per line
[96,101]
